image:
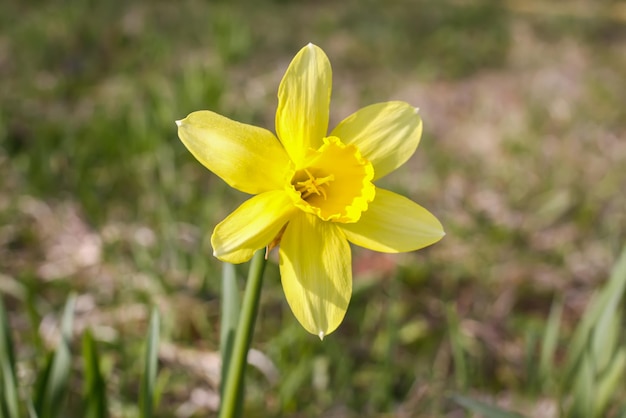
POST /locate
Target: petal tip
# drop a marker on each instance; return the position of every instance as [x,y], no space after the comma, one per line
[416,110]
[179,122]
[321,335]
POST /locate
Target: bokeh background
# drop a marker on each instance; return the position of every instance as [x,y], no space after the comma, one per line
[523,159]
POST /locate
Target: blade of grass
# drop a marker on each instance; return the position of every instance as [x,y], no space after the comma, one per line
[95,387]
[609,384]
[483,408]
[549,342]
[41,385]
[150,370]
[32,413]
[9,407]
[583,393]
[622,412]
[595,326]
[531,338]
[458,351]
[34,319]
[53,385]
[593,365]
[606,328]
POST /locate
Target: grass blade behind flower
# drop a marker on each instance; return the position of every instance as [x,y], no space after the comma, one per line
[595,327]
[485,409]
[8,382]
[150,370]
[595,364]
[52,386]
[95,387]
[549,343]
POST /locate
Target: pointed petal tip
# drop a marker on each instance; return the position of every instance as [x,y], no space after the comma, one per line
[179,122]
[416,110]
[442,233]
[321,335]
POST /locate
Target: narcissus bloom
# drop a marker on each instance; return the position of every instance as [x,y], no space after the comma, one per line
[314,191]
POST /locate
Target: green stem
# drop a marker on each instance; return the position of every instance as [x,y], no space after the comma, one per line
[231,398]
[231,305]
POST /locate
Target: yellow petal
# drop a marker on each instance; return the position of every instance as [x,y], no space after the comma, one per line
[387,134]
[393,224]
[304,102]
[252,226]
[315,269]
[248,158]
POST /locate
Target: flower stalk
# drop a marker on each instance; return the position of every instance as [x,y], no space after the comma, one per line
[232,399]
[231,305]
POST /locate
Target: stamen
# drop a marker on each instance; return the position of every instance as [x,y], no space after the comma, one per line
[313,186]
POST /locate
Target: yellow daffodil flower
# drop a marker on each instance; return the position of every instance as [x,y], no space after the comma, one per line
[314,192]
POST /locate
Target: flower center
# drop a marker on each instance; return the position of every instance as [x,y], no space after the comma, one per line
[335,182]
[313,185]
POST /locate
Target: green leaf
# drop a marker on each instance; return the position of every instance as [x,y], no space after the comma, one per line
[583,393]
[150,371]
[606,328]
[31,409]
[95,386]
[41,385]
[8,382]
[531,336]
[52,387]
[457,345]
[595,366]
[549,342]
[610,382]
[485,409]
[597,327]
[622,412]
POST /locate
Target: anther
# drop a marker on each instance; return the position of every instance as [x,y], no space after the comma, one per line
[313,186]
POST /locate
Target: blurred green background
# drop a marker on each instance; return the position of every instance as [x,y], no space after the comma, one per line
[523,159]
